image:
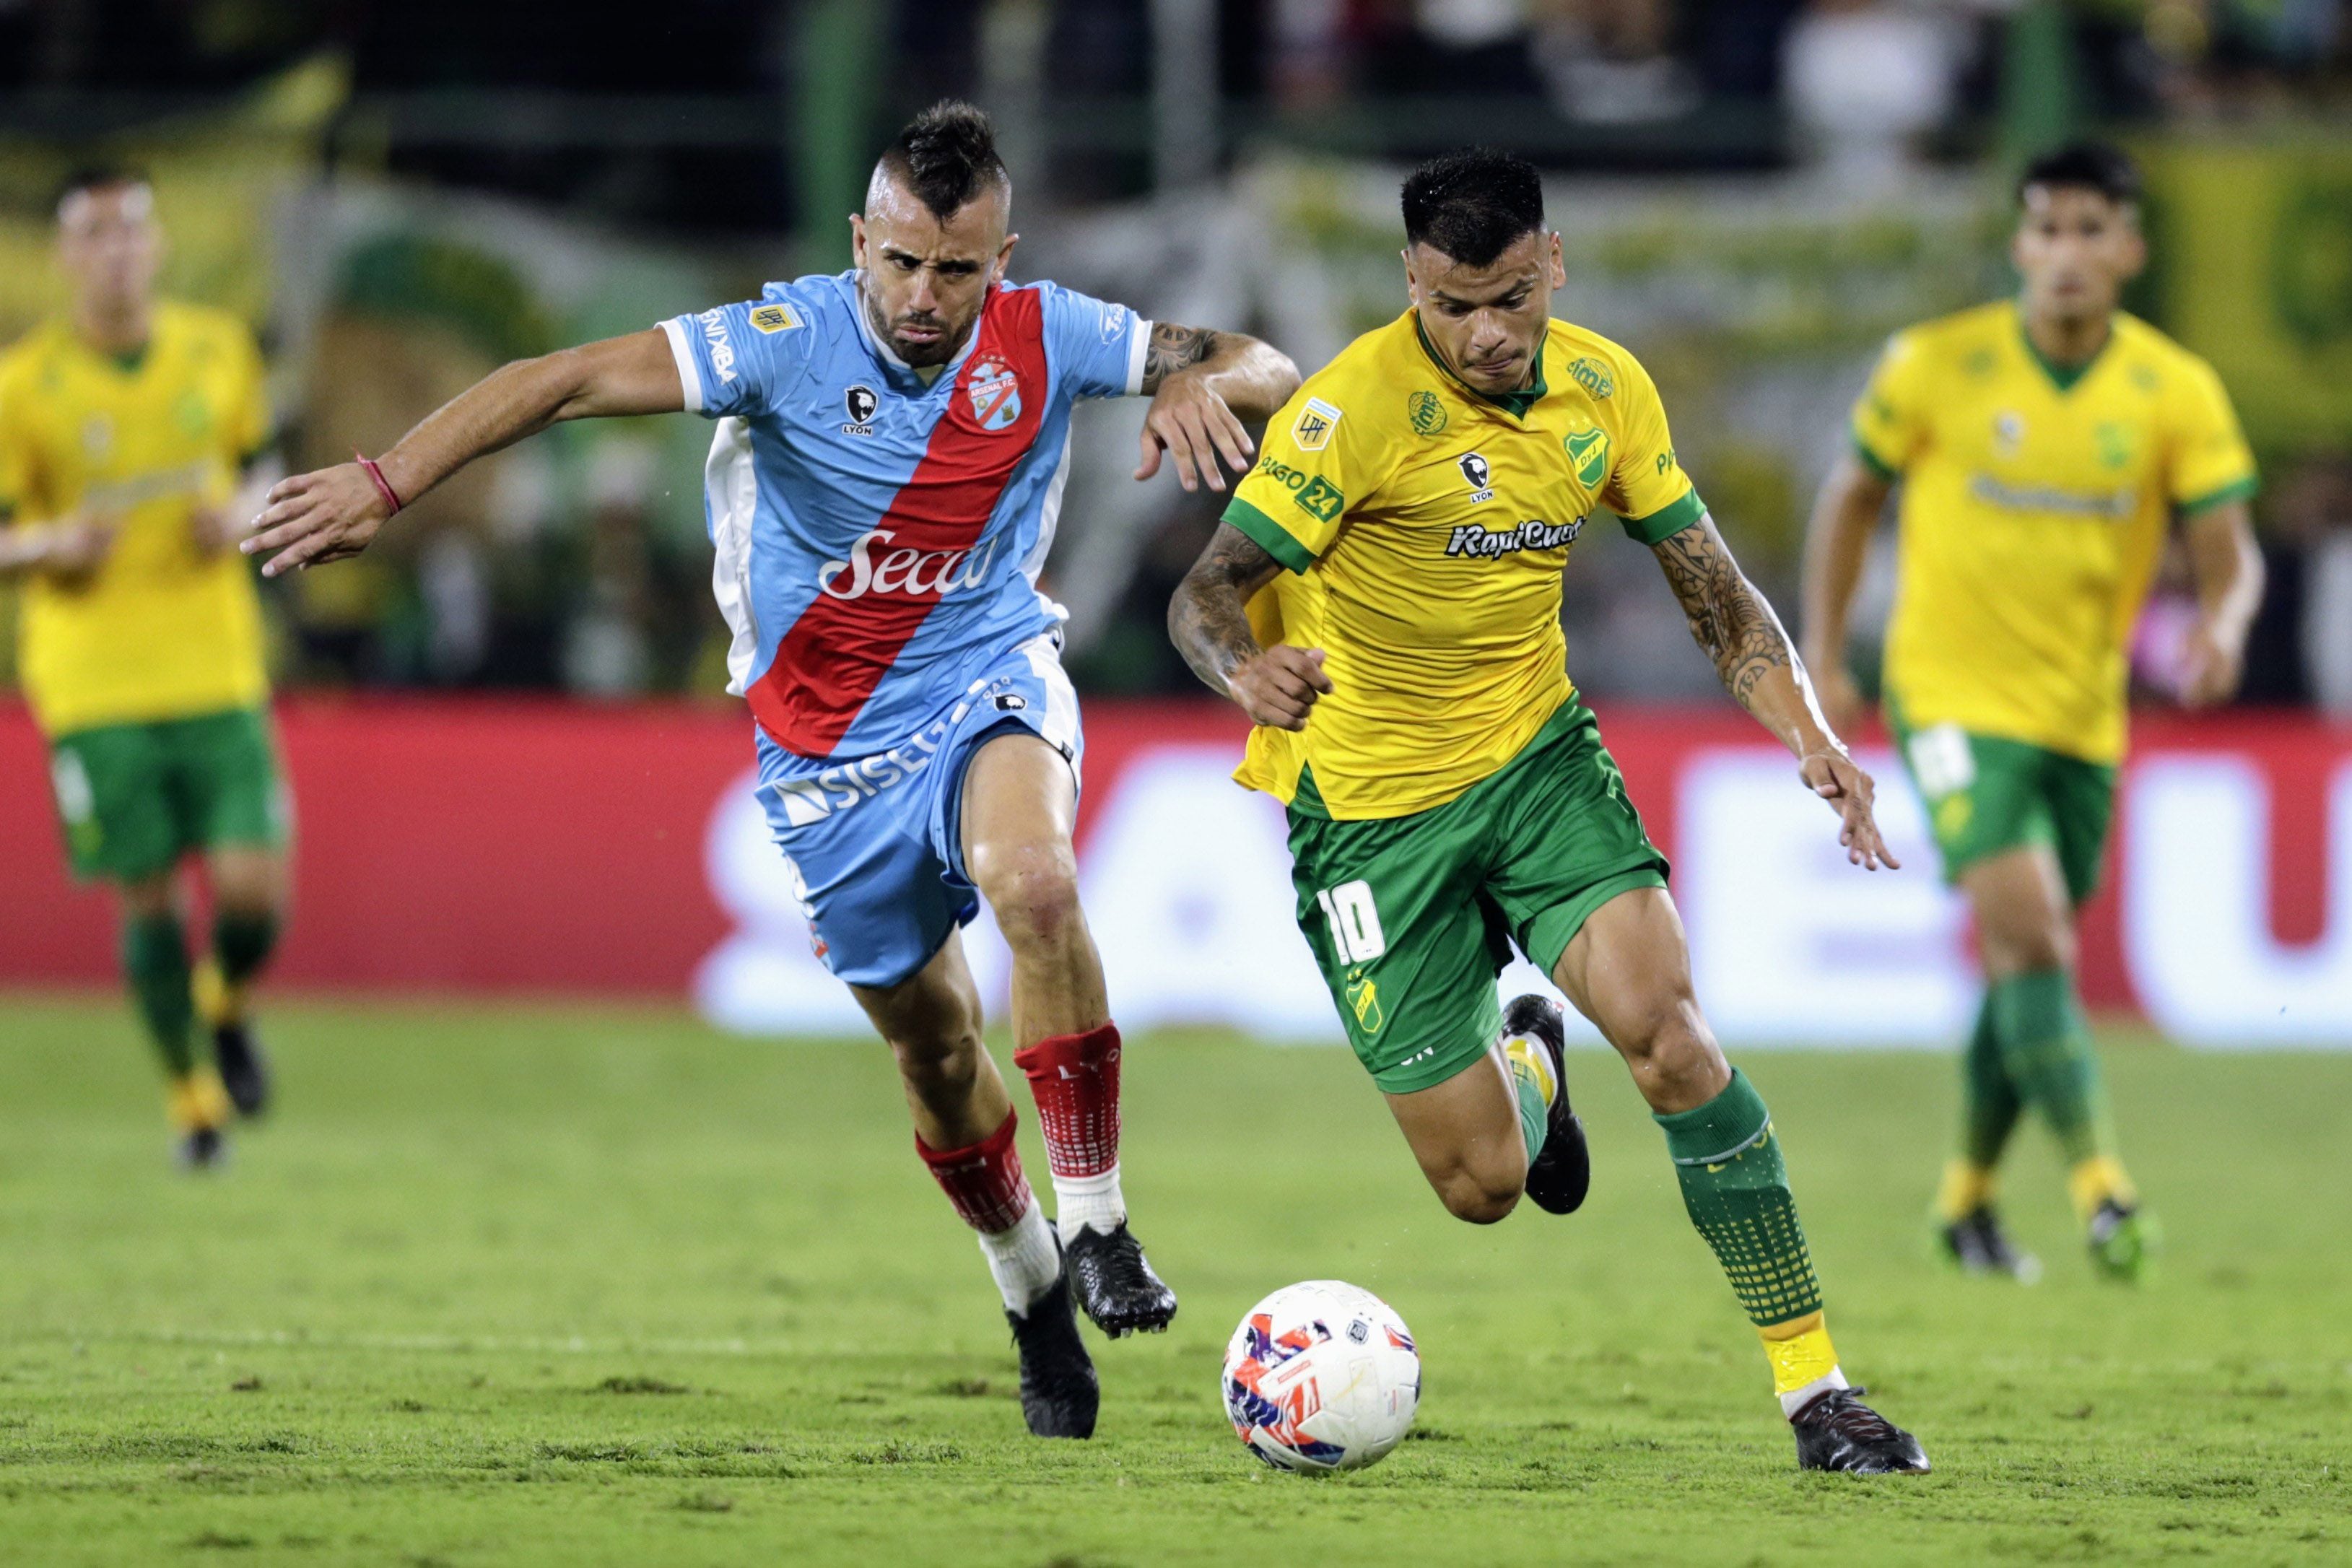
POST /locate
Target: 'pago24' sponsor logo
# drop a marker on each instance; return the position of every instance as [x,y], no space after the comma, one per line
[1318,497]
[913,574]
[1493,543]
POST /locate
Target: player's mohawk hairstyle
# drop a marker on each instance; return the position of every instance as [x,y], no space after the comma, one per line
[2085,166]
[946,156]
[1473,204]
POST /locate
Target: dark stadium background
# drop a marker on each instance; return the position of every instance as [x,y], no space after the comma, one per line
[505,725]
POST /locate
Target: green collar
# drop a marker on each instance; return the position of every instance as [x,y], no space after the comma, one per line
[1515,404]
[2063,376]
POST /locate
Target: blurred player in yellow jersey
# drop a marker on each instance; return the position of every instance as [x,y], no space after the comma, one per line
[1383,599]
[132,435]
[2047,449]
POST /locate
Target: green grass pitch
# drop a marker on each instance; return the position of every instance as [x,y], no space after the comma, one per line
[587,1286]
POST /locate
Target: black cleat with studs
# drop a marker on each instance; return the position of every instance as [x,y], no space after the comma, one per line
[201,1150]
[1562,1171]
[244,1070]
[1976,1244]
[1838,1432]
[1115,1284]
[1058,1392]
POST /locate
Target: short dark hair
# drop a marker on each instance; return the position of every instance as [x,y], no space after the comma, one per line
[1473,204]
[2085,166]
[947,156]
[96,176]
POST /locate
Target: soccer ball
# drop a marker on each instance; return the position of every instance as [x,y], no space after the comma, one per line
[1321,1376]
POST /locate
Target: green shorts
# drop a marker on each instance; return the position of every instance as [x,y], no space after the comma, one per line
[134,798]
[1985,795]
[1409,916]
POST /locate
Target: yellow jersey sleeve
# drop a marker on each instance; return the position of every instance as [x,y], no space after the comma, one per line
[2208,461]
[1318,460]
[251,424]
[1889,422]
[1647,488]
[16,465]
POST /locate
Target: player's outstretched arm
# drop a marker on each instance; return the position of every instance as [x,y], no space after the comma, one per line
[2228,567]
[1208,620]
[334,512]
[1836,542]
[1202,385]
[1752,654]
[66,551]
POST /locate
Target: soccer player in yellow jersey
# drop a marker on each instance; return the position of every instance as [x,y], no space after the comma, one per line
[127,431]
[2045,448]
[1383,599]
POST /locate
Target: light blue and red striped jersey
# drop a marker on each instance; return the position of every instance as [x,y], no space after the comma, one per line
[878,540]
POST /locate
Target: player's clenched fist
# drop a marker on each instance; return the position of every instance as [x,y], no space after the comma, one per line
[1279,687]
[323,516]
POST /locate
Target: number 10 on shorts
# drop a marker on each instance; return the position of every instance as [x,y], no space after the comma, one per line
[1354,923]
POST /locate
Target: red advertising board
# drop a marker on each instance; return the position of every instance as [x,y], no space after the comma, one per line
[526,845]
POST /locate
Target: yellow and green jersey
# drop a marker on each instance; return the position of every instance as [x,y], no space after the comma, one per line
[164,630]
[2036,505]
[1425,526]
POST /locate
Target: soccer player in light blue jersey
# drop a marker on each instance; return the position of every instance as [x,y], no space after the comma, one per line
[881,493]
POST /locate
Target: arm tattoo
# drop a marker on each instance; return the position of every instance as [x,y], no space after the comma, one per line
[1728,617]
[1174,348]
[1208,619]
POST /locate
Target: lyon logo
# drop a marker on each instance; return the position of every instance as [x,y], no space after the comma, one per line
[859,404]
[995,394]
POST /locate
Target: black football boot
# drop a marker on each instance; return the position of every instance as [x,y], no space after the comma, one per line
[1976,1244]
[1838,1432]
[1058,1392]
[1114,1283]
[1562,1172]
[244,1070]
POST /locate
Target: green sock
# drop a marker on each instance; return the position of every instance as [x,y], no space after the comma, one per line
[155,961]
[2046,1045]
[1736,1190]
[242,944]
[1532,1079]
[1535,1115]
[1990,1105]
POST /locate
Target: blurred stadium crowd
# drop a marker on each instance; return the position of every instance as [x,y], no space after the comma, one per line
[512,185]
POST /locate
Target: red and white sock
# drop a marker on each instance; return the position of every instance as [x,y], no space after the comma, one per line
[1074,1079]
[989,1190]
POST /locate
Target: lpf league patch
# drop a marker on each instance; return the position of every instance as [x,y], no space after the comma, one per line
[774,317]
[1312,432]
[995,394]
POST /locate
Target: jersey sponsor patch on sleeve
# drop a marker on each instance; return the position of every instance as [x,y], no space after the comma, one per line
[1311,432]
[1316,496]
[775,318]
[1322,500]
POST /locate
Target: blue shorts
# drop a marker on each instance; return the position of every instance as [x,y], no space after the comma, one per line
[876,842]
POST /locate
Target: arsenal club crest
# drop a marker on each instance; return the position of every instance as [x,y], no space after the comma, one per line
[995,394]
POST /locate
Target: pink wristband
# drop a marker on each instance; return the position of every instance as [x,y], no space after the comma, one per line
[383,486]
